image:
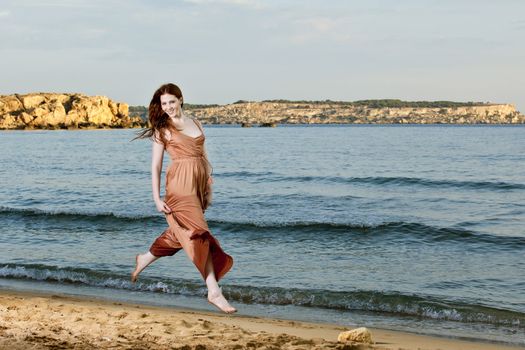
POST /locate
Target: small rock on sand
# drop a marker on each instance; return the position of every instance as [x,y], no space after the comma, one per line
[360,335]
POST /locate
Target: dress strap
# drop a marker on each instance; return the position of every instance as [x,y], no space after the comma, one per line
[199,125]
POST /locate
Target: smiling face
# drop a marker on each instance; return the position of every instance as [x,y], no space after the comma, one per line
[171,105]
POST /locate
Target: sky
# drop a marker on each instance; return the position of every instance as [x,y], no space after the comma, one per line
[228,50]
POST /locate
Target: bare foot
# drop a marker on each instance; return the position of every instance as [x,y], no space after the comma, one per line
[135,273]
[218,300]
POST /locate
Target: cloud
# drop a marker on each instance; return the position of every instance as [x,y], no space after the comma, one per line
[321,28]
[253,4]
[519,24]
[4,13]
[89,4]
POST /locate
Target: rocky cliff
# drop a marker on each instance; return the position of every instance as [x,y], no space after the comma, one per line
[356,113]
[63,111]
[55,111]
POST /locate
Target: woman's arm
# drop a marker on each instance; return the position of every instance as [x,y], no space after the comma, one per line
[208,195]
[205,153]
[157,155]
[208,164]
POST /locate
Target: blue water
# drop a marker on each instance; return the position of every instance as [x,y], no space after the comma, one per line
[418,228]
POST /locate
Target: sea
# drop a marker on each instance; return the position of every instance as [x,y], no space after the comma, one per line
[419,228]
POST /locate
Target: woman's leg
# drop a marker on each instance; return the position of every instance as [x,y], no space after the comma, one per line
[141,262]
[165,245]
[214,292]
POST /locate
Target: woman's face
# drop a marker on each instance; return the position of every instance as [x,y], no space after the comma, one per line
[170,104]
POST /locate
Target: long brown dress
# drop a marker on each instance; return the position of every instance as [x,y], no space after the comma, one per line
[186,186]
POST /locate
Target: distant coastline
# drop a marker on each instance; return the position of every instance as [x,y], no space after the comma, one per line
[358,112]
[78,111]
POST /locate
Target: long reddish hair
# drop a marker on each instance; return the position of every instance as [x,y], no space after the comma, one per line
[157,119]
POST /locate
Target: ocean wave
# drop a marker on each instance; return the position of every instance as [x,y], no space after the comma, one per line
[393,303]
[393,231]
[387,230]
[379,180]
[73,215]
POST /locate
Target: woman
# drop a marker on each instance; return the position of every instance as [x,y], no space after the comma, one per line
[188,193]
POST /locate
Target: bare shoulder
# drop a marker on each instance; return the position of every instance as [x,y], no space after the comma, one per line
[197,122]
[165,132]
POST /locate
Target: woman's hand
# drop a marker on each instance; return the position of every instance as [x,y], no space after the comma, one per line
[162,206]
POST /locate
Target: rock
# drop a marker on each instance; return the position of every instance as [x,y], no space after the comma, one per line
[9,103]
[32,101]
[268,125]
[8,121]
[64,111]
[123,109]
[359,335]
[26,118]
[114,108]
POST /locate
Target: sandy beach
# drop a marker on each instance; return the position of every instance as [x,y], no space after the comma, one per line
[50,321]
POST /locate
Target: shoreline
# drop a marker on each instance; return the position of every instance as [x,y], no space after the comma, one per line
[43,320]
[256,126]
